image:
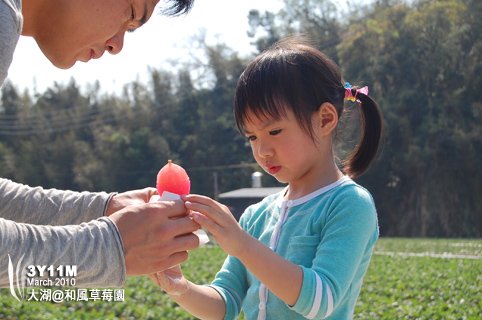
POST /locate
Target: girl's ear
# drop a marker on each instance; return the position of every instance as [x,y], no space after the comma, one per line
[327,119]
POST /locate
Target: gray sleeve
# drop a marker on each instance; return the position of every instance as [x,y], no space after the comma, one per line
[21,203]
[10,28]
[95,248]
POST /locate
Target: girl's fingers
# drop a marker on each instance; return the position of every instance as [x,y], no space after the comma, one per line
[197,198]
[210,212]
[206,223]
[194,198]
[154,278]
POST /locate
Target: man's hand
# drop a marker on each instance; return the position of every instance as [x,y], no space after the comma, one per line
[129,198]
[156,236]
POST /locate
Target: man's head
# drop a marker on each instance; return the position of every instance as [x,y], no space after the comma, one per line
[68,31]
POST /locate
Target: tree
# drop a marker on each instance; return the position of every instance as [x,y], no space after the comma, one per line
[415,60]
[421,60]
[315,19]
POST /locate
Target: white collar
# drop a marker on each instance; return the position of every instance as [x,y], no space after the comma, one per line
[292,203]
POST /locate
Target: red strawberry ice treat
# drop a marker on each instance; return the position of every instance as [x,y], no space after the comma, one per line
[173,182]
[173,179]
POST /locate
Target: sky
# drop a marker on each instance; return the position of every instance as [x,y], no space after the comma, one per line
[156,44]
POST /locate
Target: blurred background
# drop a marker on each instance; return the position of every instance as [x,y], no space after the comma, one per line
[112,124]
[171,97]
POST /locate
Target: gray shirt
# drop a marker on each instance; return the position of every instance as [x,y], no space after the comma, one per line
[50,227]
[11,22]
[53,227]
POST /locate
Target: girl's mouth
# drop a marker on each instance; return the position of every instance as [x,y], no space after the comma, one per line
[274,169]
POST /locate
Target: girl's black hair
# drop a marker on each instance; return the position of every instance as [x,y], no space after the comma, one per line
[293,74]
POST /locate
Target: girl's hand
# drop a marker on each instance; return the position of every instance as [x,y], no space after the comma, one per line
[171,280]
[219,221]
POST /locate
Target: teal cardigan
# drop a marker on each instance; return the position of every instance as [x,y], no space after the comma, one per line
[329,233]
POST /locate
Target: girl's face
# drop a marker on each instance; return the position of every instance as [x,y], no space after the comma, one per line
[284,150]
[80,30]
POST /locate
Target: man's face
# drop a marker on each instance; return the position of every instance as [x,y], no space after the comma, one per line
[80,30]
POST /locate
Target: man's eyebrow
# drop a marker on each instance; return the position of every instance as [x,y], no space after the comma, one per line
[144,15]
[142,20]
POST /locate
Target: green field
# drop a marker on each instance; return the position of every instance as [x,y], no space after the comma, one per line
[407,279]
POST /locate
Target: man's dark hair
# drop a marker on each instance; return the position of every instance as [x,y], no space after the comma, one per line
[177,7]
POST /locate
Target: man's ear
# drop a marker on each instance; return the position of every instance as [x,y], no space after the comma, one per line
[327,118]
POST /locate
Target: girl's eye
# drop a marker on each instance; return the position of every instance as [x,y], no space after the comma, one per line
[275,132]
[251,138]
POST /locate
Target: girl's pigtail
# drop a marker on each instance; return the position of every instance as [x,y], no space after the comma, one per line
[365,151]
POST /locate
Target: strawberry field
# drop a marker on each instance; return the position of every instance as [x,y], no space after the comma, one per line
[407,279]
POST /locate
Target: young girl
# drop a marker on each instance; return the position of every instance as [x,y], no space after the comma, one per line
[301,253]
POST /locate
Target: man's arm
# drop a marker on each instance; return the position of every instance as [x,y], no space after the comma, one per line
[94,248]
[35,205]
[137,240]
[10,28]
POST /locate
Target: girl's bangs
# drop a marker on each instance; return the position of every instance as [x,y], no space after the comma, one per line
[261,93]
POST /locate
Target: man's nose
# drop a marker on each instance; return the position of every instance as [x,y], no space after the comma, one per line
[115,44]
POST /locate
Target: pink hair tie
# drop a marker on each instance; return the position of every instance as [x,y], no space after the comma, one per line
[349,94]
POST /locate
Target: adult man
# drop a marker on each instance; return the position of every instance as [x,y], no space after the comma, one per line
[106,236]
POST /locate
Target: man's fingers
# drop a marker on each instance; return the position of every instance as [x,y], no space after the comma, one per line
[172,260]
[170,208]
[185,242]
[176,227]
[156,235]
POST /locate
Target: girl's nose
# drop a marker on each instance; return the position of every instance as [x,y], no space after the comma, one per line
[115,44]
[264,150]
